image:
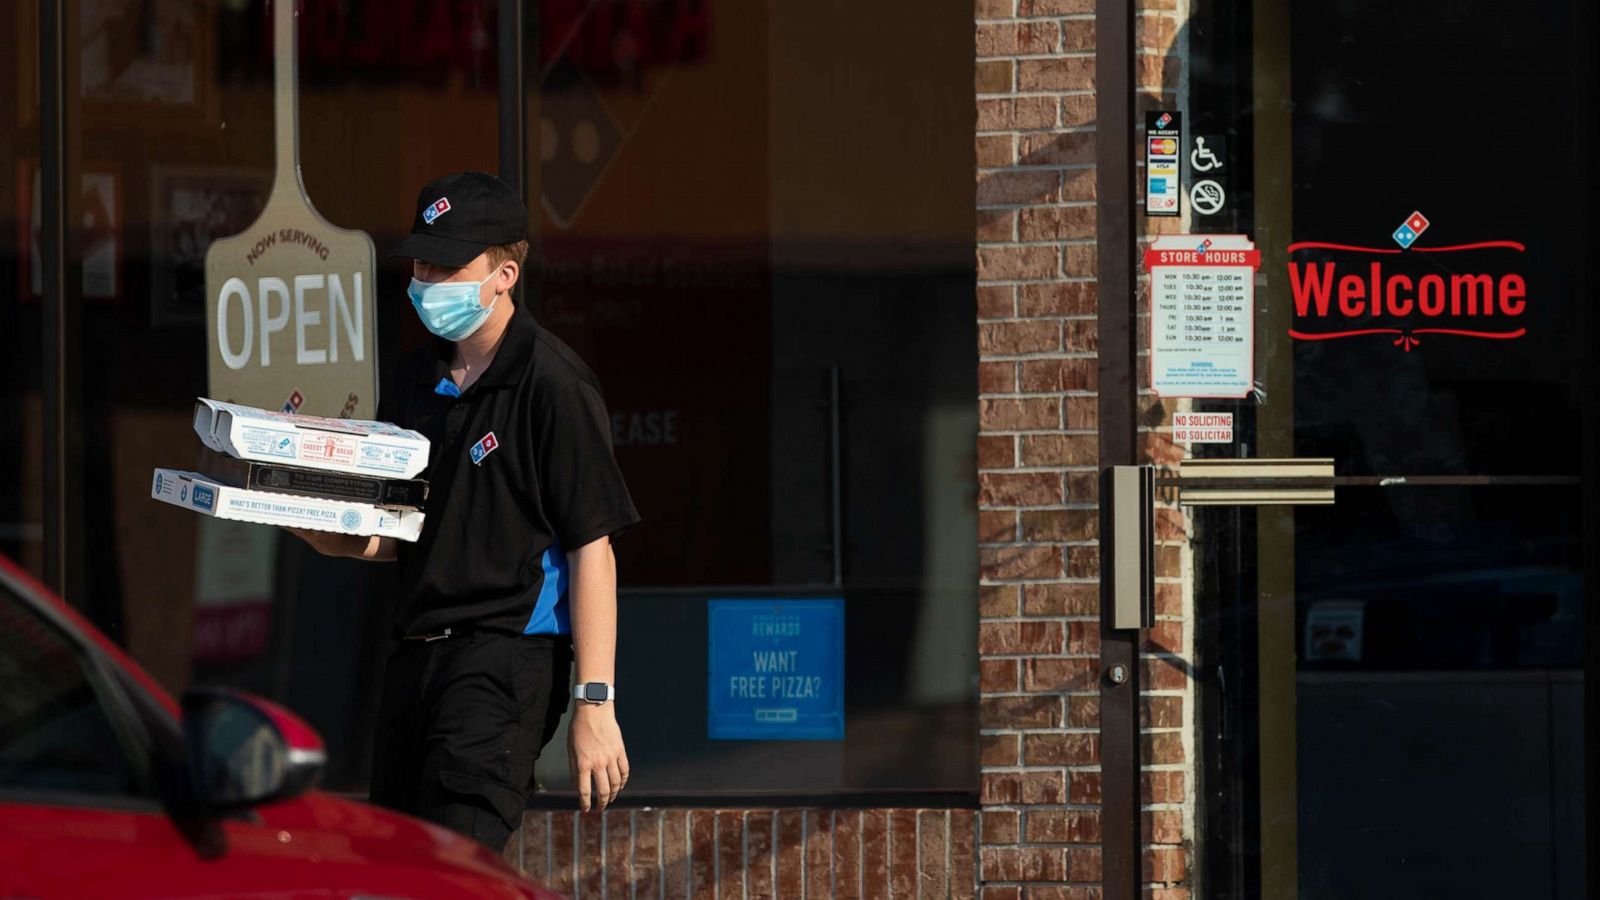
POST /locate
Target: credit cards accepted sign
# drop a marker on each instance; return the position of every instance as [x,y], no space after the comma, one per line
[1163,132]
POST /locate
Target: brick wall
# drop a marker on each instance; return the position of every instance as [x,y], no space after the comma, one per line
[1037,307]
[718,854]
[1037,344]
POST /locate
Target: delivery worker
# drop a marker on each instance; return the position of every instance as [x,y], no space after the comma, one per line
[513,578]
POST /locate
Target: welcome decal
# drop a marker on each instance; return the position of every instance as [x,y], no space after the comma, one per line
[1462,290]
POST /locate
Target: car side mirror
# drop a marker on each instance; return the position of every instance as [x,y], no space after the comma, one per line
[245,751]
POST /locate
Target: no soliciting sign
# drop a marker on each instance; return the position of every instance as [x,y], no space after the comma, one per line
[1202,428]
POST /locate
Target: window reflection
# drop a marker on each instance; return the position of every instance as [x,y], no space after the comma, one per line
[770,269]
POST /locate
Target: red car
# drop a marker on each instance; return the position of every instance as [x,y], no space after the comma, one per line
[107,791]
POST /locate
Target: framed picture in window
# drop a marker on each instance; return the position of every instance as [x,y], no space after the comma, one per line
[100,234]
[133,61]
[191,206]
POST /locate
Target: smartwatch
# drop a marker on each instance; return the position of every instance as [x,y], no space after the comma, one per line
[593,692]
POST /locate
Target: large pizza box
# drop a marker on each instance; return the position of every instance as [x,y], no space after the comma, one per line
[207,496]
[352,446]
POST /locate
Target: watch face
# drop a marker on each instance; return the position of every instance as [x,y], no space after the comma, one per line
[595,692]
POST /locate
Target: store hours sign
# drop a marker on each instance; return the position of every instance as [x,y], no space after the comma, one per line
[1202,322]
[776,670]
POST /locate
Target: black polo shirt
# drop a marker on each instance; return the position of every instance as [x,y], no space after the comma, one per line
[520,469]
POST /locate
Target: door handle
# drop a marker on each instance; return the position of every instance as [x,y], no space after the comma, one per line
[1200,482]
[1133,546]
[1254,482]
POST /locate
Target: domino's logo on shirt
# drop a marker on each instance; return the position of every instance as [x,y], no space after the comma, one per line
[439,208]
[485,446]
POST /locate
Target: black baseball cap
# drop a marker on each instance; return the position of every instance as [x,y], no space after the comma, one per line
[461,215]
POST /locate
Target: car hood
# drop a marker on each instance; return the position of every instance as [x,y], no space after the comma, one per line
[331,827]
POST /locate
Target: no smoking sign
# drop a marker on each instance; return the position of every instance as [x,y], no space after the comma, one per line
[1207,197]
[1209,166]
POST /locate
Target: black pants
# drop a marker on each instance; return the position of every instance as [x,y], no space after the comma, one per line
[460,725]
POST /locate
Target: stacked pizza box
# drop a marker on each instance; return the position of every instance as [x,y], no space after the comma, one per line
[277,468]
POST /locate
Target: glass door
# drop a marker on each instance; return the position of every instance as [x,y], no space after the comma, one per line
[1389,692]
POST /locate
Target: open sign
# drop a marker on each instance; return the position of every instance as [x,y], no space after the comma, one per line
[289,301]
[319,310]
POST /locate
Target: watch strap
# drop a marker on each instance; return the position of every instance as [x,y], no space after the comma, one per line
[580,691]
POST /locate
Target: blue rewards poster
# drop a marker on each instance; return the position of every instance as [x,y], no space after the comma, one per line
[776,670]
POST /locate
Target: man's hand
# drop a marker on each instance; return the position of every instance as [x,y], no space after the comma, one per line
[355,546]
[594,747]
[327,543]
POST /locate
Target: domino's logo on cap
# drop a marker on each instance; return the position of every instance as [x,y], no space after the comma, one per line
[485,446]
[439,208]
[483,212]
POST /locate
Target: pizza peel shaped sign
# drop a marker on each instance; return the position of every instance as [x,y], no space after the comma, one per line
[1407,293]
[289,301]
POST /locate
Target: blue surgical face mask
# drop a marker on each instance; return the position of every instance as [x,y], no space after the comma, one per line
[450,309]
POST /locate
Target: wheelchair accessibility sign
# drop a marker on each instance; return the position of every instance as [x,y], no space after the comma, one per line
[1207,153]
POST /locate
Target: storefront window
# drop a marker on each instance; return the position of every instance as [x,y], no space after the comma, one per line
[770,268]
[763,248]
[176,133]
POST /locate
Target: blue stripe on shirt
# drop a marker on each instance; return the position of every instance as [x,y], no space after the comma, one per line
[550,614]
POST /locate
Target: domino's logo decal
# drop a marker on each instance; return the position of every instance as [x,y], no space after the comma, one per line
[1408,232]
[485,446]
[439,208]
